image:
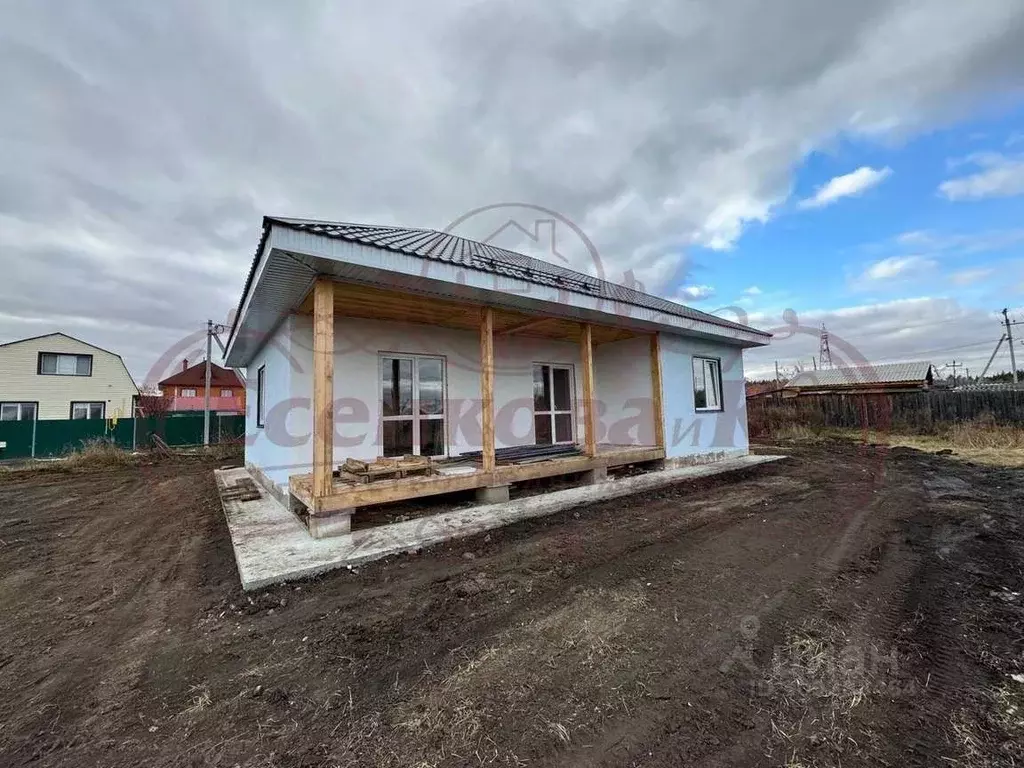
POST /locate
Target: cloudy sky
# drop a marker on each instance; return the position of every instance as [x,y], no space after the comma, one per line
[861,164]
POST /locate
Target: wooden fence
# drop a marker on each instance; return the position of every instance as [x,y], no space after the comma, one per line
[913,412]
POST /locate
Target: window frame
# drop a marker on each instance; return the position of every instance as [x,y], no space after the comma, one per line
[21,404]
[261,395]
[554,412]
[227,393]
[414,417]
[101,403]
[705,359]
[58,355]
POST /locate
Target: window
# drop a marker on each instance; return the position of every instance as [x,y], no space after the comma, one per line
[261,395]
[53,364]
[226,393]
[17,411]
[186,393]
[87,410]
[413,405]
[707,384]
[553,416]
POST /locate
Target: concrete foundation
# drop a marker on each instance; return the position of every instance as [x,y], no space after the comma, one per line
[335,524]
[272,546]
[595,475]
[494,494]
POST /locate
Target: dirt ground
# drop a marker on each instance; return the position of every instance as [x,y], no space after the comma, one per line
[851,606]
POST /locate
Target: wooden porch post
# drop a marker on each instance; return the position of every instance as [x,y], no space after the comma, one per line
[657,408]
[589,412]
[487,386]
[323,387]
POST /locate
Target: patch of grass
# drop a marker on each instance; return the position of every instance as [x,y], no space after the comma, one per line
[577,649]
[817,681]
[100,454]
[980,440]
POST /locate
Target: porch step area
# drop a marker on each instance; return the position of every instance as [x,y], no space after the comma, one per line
[271,545]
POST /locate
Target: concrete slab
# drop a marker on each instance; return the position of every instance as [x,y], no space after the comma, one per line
[272,546]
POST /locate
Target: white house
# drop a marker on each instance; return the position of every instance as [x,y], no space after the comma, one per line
[364,341]
[59,377]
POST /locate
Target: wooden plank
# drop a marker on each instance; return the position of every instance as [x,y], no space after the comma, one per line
[323,387]
[657,408]
[487,386]
[386,491]
[374,303]
[589,406]
[524,326]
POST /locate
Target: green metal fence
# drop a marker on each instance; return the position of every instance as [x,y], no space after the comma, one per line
[47,438]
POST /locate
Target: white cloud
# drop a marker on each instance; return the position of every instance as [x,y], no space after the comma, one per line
[937,329]
[897,266]
[752,291]
[848,185]
[652,126]
[695,293]
[971,276]
[1001,176]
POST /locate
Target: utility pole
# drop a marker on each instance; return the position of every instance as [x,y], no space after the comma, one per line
[814,362]
[1009,338]
[954,365]
[212,331]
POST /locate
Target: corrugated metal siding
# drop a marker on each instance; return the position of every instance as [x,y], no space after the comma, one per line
[887,373]
[21,382]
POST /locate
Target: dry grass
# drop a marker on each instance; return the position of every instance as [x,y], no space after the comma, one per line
[100,454]
[577,650]
[980,440]
[817,681]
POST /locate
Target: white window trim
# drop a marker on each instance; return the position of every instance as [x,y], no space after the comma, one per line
[59,355]
[88,404]
[554,411]
[187,392]
[414,417]
[720,407]
[20,405]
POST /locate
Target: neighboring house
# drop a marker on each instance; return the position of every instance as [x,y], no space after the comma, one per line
[59,377]
[865,379]
[363,341]
[186,389]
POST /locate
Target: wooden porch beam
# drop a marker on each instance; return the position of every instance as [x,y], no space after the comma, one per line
[657,407]
[487,386]
[524,326]
[589,405]
[323,387]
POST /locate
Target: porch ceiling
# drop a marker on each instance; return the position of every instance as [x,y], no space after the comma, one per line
[367,302]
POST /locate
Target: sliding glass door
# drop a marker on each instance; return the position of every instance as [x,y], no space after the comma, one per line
[553,414]
[413,405]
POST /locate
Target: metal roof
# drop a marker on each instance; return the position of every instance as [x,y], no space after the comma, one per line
[887,373]
[195,376]
[452,249]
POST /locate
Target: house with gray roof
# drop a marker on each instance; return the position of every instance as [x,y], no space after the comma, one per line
[863,379]
[369,344]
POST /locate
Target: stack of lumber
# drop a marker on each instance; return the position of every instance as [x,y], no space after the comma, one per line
[385,468]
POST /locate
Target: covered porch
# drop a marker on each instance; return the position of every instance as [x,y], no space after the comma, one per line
[329,498]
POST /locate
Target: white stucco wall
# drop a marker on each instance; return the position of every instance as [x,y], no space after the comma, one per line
[688,432]
[283,446]
[622,384]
